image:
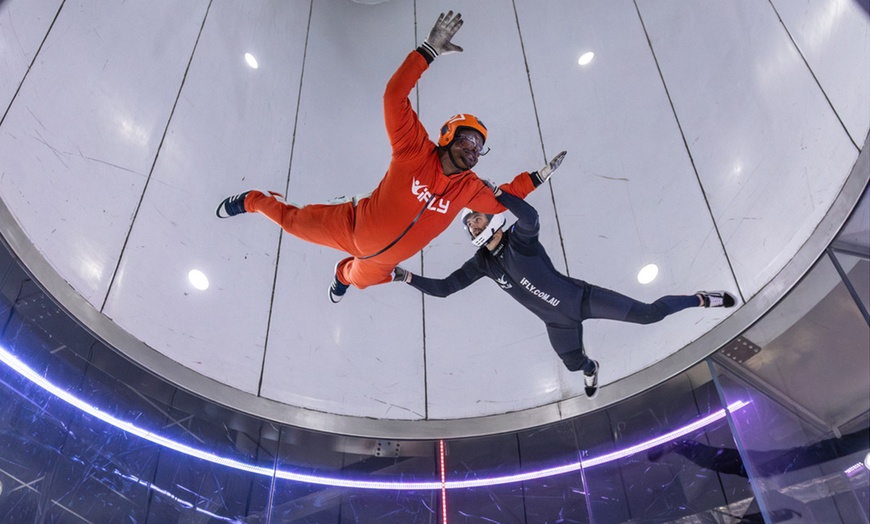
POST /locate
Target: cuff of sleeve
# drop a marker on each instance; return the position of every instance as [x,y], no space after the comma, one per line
[536,178]
[428,52]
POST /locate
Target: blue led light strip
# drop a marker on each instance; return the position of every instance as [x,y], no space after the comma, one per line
[11,361]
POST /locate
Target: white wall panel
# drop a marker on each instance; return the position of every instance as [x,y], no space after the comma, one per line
[485,353]
[363,356]
[23,25]
[85,127]
[769,151]
[834,38]
[627,195]
[233,124]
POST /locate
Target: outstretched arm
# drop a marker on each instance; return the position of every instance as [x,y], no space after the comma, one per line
[527,216]
[469,273]
[520,186]
[407,134]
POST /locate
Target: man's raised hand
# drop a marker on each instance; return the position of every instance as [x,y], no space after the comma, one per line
[544,173]
[439,37]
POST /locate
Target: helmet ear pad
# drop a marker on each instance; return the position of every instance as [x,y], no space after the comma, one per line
[457,122]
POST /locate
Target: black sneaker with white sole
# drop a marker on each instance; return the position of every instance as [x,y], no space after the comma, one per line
[337,289]
[717,298]
[232,206]
[590,381]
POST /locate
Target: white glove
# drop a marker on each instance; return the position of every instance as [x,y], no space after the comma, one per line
[438,41]
[544,173]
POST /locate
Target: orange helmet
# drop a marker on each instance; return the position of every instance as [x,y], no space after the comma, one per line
[449,129]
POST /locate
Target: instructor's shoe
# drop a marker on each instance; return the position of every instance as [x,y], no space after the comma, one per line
[337,289]
[232,206]
[717,298]
[590,381]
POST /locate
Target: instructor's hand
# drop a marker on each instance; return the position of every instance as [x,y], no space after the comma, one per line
[401,275]
[496,191]
[441,34]
[544,173]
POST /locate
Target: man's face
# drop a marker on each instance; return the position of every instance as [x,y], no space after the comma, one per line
[476,223]
[467,147]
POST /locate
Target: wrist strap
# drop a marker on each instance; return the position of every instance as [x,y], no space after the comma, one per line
[429,49]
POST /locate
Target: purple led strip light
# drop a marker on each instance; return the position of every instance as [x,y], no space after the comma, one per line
[11,361]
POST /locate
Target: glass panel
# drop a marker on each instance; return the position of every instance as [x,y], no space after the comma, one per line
[396,507]
[558,498]
[797,470]
[31,438]
[804,368]
[636,466]
[333,459]
[857,271]
[484,458]
[811,349]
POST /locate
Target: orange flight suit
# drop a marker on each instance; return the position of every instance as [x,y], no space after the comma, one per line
[364,227]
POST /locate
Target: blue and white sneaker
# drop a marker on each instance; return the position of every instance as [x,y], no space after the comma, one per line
[717,298]
[337,289]
[232,206]
[590,381]
[235,205]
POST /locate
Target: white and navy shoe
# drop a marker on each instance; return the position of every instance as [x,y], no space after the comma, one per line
[235,205]
[337,289]
[590,381]
[717,298]
[232,206]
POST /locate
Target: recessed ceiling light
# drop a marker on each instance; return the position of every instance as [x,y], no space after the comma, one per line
[586,57]
[249,58]
[648,273]
[198,279]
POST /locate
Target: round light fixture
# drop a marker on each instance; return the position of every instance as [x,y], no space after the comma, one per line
[198,279]
[585,58]
[648,273]
[249,58]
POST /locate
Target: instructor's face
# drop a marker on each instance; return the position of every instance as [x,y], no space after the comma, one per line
[476,223]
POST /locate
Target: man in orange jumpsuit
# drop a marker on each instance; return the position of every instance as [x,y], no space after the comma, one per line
[424,188]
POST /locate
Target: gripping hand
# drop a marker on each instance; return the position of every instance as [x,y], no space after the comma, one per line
[401,274]
[438,41]
[496,191]
[544,173]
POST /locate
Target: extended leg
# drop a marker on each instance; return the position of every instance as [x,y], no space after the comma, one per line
[599,302]
[568,343]
[322,224]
